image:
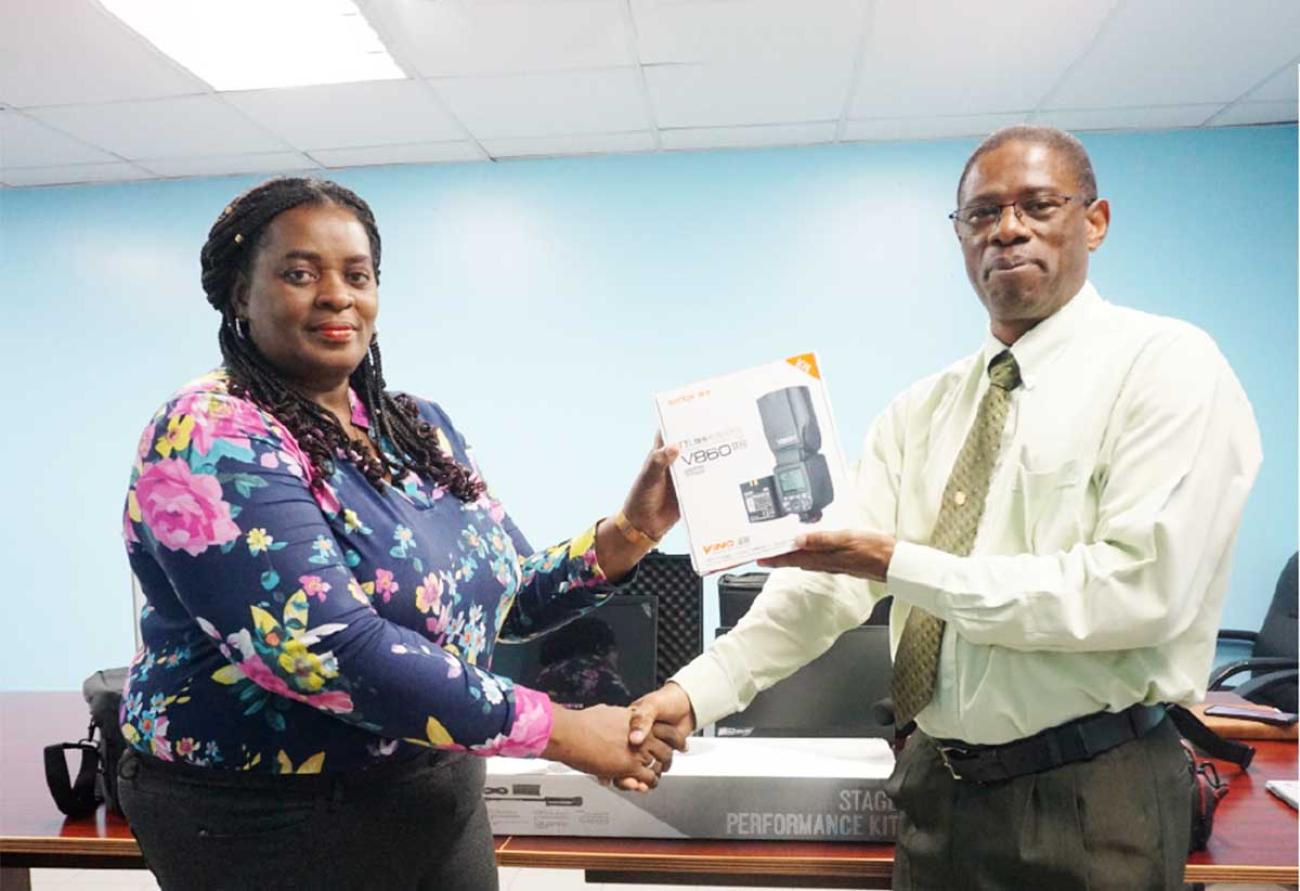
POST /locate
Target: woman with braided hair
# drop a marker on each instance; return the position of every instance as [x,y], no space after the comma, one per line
[326,575]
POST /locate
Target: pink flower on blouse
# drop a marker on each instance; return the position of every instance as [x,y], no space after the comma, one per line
[184,510]
[489,505]
[532,728]
[385,585]
[219,417]
[428,594]
[293,455]
[314,586]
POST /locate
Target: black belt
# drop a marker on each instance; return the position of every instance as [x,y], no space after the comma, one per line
[1076,740]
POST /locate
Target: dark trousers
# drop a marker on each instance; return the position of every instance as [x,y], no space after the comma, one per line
[421,825]
[1120,821]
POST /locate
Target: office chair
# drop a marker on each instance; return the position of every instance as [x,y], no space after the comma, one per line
[1272,663]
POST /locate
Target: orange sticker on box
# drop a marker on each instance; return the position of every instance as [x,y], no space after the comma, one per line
[807,363]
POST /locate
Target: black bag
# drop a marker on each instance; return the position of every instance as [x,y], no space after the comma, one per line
[104,744]
[1207,791]
[1207,788]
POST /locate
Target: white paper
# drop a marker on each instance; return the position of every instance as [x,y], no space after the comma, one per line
[1287,790]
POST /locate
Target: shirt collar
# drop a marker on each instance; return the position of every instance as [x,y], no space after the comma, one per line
[360,417]
[1037,345]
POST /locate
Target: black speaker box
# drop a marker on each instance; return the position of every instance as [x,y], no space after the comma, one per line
[680,592]
[835,695]
[737,590]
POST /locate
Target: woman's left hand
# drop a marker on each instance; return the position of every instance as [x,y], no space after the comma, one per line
[651,506]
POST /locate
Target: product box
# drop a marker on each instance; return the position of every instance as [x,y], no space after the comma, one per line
[760,462]
[723,787]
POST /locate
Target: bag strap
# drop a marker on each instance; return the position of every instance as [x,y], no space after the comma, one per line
[77,798]
[1194,729]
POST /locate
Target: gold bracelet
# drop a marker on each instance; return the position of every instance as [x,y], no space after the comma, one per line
[631,533]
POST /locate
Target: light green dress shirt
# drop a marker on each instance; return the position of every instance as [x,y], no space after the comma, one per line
[1099,570]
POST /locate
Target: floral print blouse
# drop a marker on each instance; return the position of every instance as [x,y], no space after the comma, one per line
[299,629]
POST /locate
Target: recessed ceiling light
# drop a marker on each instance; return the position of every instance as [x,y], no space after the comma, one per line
[261,44]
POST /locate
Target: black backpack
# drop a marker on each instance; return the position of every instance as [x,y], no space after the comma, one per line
[104,744]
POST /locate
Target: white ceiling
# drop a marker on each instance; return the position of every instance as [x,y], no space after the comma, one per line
[84,99]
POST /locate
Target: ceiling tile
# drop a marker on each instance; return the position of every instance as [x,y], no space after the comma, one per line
[72,173]
[472,37]
[424,153]
[58,52]
[608,101]
[881,129]
[747,30]
[220,165]
[1178,52]
[1257,113]
[28,143]
[738,137]
[583,144]
[1279,87]
[1147,118]
[162,128]
[347,115]
[728,95]
[951,57]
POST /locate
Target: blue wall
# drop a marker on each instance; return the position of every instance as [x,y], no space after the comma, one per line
[543,301]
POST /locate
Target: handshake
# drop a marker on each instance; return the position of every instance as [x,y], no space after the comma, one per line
[629,746]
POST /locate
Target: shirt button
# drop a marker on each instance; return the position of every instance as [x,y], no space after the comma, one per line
[959,498]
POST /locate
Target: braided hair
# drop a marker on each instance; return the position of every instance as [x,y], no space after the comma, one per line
[227,261]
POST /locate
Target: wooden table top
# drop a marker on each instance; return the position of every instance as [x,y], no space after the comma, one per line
[1254,835]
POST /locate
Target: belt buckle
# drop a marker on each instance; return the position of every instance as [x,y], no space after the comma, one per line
[956,751]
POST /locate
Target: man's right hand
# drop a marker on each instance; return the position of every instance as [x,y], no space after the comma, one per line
[594,740]
[669,705]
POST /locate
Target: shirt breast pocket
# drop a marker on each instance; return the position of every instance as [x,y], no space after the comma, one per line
[1048,502]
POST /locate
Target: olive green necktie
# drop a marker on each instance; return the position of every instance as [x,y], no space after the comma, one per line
[916,664]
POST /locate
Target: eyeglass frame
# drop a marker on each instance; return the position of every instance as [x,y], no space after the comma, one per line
[1015,209]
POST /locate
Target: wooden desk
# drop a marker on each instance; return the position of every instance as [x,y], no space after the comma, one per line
[1254,838]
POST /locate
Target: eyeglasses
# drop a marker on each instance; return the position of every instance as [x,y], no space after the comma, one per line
[1036,208]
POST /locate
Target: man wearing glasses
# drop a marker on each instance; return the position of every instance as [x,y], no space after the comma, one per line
[1054,517]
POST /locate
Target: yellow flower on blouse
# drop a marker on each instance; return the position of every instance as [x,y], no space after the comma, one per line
[309,673]
[259,540]
[177,437]
[580,544]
